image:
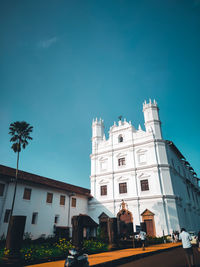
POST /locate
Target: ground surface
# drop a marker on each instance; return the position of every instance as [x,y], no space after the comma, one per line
[115,255]
[172,258]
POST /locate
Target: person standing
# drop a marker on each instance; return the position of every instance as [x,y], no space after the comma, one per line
[187,246]
[173,237]
[198,240]
[142,236]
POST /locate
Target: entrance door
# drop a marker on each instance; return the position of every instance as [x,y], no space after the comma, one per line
[149,227]
[125,224]
[148,218]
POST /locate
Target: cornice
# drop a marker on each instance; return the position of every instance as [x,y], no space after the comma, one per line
[152,197]
[153,121]
[128,146]
[132,170]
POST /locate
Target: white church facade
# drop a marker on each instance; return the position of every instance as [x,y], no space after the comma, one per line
[149,173]
[151,176]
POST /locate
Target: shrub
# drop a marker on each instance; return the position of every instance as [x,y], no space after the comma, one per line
[94,246]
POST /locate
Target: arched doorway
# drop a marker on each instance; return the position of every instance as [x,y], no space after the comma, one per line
[148,218]
[125,222]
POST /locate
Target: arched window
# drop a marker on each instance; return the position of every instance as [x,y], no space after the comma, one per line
[120,138]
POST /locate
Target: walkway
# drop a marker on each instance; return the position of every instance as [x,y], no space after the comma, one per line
[99,259]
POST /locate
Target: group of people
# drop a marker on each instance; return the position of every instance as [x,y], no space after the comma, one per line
[185,237]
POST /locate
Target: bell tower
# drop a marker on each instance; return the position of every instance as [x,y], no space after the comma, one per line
[151,118]
[97,132]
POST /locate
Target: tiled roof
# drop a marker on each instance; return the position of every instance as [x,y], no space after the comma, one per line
[8,172]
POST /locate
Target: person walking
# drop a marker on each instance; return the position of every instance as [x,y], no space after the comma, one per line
[187,246]
[142,236]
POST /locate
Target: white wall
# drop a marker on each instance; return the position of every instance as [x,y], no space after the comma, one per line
[46,211]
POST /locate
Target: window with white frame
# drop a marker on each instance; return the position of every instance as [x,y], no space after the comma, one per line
[121,162]
[122,188]
[27,193]
[34,218]
[120,138]
[144,185]
[56,219]
[103,190]
[62,200]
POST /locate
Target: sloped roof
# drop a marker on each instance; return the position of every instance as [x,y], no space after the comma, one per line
[9,173]
[176,150]
[87,221]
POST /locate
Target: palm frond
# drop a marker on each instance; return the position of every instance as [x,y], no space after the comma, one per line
[16,147]
[20,132]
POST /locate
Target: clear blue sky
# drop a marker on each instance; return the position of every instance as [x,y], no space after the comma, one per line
[65,62]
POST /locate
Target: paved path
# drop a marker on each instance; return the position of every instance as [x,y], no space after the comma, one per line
[113,255]
[171,258]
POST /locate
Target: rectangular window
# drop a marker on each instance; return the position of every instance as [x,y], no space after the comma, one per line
[7,215]
[103,190]
[49,198]
[121,162]
[144,185]
[122,188]
[62,200]
[56,219]
[34,217]
[27,193]
[2,186]
[73,202]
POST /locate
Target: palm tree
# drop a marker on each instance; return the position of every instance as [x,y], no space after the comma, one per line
[20,132]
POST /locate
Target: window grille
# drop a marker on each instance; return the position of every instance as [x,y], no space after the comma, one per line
[121,162]
[144,185]
[122,188]
[103,190]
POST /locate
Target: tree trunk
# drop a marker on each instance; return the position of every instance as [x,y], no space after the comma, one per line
[13,202]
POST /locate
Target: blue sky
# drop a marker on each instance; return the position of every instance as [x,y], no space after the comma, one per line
[64,63]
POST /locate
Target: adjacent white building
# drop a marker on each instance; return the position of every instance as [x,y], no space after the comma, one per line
[149,173]
[47,203]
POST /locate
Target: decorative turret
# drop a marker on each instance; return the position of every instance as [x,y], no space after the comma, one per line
[151,118]
[97,131]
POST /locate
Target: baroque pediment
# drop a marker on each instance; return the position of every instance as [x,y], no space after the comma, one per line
[147,213]
[141,151]
[103,181]
[143,175]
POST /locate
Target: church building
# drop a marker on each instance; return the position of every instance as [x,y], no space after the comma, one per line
[138,179]
[139,169]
